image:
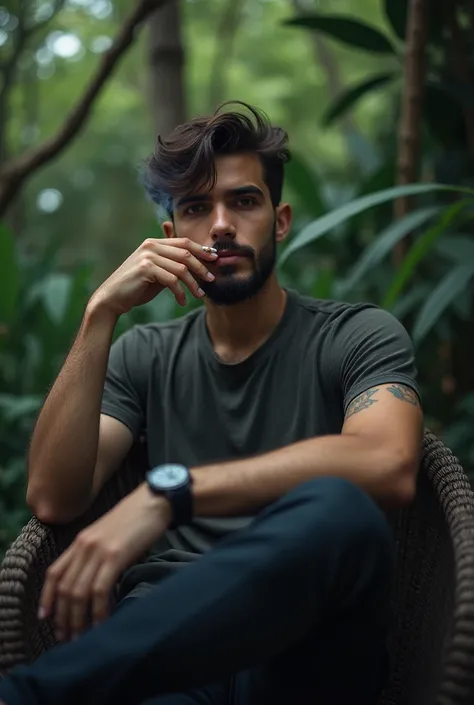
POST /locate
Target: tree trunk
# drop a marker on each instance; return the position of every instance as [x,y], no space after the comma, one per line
[459,55]
[409,138]
[227,29]
[166,68]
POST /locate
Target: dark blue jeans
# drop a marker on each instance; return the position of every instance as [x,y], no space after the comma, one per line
[292,610]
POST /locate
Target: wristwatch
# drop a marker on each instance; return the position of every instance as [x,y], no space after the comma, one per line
[174,482]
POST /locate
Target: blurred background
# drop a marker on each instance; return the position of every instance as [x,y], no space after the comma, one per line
[378,99]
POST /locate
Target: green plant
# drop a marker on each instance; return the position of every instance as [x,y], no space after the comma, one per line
[41,307]
[347,254]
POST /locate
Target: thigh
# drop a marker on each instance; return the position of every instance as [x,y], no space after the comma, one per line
[215,694]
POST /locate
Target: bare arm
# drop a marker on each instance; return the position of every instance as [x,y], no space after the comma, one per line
[63,452]
[378,449]
[73,449]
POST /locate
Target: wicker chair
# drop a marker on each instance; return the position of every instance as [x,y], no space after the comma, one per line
[432,637]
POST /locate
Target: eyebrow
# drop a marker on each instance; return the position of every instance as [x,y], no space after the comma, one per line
[199,197]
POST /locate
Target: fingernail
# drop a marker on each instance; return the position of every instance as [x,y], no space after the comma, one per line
[210,276]
[201,292]
[41,613]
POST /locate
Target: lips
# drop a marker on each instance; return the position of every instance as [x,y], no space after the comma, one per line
[231,253]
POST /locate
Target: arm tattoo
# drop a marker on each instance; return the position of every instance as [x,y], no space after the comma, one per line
[363,401]
[404,393]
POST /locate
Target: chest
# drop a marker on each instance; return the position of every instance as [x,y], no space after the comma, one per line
[198,413]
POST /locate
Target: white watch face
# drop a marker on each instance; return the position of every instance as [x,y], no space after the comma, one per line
[167,476]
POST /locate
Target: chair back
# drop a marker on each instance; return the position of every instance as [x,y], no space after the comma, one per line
[423,596]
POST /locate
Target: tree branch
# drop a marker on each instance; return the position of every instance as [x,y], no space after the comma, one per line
[16,171]
[409,136]
[8,70]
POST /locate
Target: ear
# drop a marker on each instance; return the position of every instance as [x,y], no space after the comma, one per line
[168,228]
[284,216]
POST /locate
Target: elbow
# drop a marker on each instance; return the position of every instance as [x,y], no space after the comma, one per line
[41,509]
[401,486]
[397,470]
[46,511]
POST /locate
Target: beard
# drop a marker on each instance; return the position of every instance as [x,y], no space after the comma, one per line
[231,288]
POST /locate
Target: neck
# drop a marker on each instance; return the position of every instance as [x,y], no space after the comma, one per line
[236,331]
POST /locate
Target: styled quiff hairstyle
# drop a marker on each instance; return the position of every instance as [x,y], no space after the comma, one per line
[184,162]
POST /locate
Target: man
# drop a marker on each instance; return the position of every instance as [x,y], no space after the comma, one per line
[279,429]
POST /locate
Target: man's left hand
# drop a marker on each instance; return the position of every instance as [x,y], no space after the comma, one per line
[78,585]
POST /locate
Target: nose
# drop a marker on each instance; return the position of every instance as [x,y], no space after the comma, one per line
[222,226]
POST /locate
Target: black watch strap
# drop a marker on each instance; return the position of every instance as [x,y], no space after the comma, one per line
[181,500]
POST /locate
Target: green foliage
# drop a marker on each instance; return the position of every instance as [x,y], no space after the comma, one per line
[340,182]
[36,333]
[421,248]
[353,94]
[9,277]
[382,246]
[347,30]
[442,296]
[331,220]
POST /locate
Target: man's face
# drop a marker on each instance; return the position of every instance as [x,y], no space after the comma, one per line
[236,217]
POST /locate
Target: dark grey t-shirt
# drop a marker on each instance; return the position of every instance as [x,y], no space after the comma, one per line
[165,380]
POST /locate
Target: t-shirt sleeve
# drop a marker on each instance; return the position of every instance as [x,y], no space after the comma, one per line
[370,347]
[125,387]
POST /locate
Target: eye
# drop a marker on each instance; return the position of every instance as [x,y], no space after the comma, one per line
[195,209]
[246,201]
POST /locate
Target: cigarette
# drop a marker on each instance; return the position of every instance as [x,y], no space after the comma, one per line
[209,250]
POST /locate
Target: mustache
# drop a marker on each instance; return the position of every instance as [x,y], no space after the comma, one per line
[232,246]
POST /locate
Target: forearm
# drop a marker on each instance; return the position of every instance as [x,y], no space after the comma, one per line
[63,448]
[243,486]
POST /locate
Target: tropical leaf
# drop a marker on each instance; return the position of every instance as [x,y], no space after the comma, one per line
[420,248]
[305,183]
[413,297]
[321,226]
[384,244]
[451,286]
[351,95]
[396,12]
[323,287]
[13,407]
[347,30]
[54,291]
[456,247]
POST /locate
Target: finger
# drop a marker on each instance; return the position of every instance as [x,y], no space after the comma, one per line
[103,584]
[82,596]
[170,280]
[48,594]
[157,275]
[180,270]
[64,600]
[184,243]
[186,257]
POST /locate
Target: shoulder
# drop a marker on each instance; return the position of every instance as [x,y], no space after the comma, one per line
[342,329]
[335,316]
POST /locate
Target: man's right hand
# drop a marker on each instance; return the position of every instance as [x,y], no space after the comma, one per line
[155,265]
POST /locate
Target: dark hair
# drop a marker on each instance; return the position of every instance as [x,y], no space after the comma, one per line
[185,160]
